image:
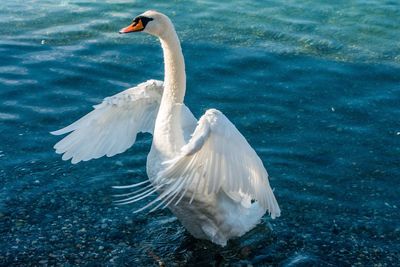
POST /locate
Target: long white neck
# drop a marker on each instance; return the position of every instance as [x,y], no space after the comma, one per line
[174,68]
[168,135]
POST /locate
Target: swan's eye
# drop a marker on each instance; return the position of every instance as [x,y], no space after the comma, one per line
[144,20]
[135,21]
[137,25]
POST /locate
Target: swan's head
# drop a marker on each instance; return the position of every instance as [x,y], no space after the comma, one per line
[151,21]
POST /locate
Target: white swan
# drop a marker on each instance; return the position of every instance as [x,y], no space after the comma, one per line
[204,171]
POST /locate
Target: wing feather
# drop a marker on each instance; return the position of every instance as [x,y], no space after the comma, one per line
[217,157]
[112,126]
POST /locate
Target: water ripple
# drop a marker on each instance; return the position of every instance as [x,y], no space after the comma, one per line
[314,87]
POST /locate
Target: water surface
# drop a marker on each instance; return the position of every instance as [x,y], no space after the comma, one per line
[313,86]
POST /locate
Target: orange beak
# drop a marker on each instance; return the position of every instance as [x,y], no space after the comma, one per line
[134,27]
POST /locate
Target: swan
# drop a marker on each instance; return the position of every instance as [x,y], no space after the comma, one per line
[203,170]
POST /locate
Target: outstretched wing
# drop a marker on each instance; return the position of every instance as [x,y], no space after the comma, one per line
[112,126]
[217,157]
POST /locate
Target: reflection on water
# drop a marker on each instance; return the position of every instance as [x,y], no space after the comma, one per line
[314,87]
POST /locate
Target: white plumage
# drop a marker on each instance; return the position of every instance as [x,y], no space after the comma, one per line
[204,171]
[112,126]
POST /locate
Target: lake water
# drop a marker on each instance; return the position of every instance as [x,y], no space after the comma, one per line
[313,85]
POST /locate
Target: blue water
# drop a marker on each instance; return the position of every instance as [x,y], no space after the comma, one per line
[314,87]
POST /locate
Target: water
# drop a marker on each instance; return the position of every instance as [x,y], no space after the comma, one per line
[313,86]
